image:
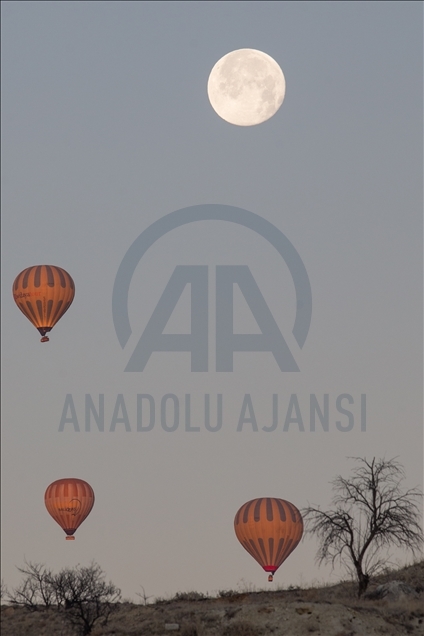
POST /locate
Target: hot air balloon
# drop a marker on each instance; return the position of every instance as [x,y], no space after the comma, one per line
[269,529]
[43,293]
[69,501]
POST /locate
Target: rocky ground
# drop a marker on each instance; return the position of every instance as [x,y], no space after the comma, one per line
[394,609]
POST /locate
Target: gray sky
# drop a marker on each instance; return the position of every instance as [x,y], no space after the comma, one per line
[107,127]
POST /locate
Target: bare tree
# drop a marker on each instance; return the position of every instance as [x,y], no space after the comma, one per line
[4,592]
[370,512]
[81,593]
[143,596]
[85,596]
[36,590]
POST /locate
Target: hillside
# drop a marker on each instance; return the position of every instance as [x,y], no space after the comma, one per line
[323,611]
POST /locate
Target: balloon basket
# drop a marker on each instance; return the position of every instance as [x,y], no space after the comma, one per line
[270,578]
[70,538]
[45,339]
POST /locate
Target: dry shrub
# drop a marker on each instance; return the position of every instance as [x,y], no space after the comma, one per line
[266,609]
[231,596]
[189,630]
[345,592]
[26,623]
[210,618]
[190,596]
[412,575]
[242,628]
[406,608]
[227,593]
[230,612]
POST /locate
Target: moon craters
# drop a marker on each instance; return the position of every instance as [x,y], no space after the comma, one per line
[246,87]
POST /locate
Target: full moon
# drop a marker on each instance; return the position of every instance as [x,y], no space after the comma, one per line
[246,87]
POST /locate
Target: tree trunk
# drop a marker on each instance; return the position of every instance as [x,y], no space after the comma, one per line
[363,580]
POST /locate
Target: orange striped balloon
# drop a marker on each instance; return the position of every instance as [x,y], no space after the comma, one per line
[69,501]
[43,293]
[269,529]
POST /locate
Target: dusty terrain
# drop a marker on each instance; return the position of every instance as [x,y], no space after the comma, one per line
[323,611]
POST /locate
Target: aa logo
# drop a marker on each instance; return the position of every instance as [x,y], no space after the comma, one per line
[227,343]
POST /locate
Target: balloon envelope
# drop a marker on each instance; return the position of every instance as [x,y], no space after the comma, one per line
[269,529]
[69,501]
[43,293]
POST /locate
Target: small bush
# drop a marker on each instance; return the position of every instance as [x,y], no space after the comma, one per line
[242,628]
[227,593]
[190,596]
[189,630]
